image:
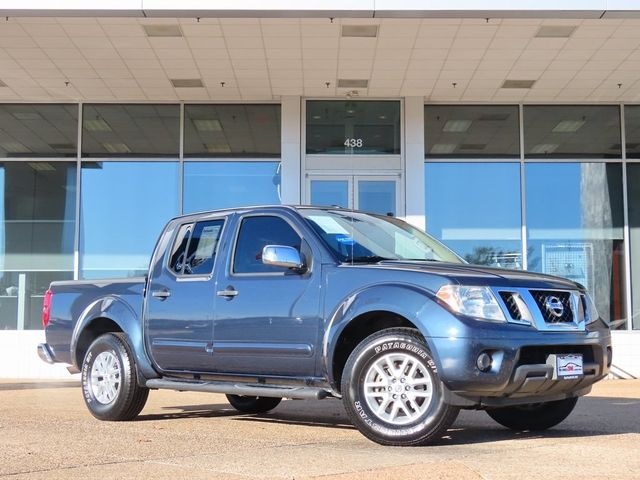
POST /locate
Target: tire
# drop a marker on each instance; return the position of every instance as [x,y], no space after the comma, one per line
[116,396]
[246,404]
[399,361]
[535,416]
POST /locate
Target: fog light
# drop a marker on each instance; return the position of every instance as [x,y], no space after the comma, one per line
[484,362]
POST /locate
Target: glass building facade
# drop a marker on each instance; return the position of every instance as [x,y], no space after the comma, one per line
[548,188]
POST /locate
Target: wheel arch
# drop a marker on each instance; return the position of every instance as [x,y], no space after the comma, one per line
[105,315]
[368,311]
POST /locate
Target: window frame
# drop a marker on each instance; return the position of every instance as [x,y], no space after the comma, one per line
[182,277]
[232,258]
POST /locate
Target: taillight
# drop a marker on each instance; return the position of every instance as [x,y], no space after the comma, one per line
[46,308]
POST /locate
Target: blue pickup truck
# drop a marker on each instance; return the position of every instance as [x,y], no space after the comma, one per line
[274,302]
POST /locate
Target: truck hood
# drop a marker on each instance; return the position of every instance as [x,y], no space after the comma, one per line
[467,274]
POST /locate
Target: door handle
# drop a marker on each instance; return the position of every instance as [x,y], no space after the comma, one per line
[161,294]
[228,292]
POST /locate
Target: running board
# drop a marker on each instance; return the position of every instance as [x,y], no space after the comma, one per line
[229,388]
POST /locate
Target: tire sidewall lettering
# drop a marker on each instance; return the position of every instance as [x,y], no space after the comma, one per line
[362,410]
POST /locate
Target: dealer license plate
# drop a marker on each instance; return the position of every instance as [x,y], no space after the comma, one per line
[569,366]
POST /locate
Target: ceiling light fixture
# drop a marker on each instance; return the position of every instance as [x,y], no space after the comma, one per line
[96,125]
[568,126]
[362,31]
[518,83]
[456,126]
[543,148]
[14,147]
[353,83]
[169,30]
[204,125]
[217,148]
[555,31]
[116,147]
[27,115]
[187,83]
[443,148]
[42,167]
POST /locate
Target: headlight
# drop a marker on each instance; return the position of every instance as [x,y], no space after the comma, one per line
[477,302]
[591,315]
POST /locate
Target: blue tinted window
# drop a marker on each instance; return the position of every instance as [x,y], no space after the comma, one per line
[330,193]
[377,196]
[574,224]
[124,207]
[214,185]
[255,234]
[37,231]
[474,208]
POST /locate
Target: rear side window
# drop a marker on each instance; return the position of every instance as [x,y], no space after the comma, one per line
[255,233]
[195,248]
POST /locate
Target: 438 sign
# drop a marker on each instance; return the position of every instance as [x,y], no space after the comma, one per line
[354,143]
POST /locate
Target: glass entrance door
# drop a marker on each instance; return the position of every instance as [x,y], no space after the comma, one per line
[376,194]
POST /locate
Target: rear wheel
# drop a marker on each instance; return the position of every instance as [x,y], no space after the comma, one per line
[109,379]
[246,404]
[392,392]
[535,416]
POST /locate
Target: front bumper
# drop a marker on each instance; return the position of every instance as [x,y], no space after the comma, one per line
[521,371]
[45,353]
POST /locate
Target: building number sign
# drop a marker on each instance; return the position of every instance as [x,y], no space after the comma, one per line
[353,143]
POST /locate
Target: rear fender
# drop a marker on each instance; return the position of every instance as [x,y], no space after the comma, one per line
[121,313]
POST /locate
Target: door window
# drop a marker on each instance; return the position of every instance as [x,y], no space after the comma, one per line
[257,232]
[194,253]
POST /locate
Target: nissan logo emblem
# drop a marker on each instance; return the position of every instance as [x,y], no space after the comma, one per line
[554,306]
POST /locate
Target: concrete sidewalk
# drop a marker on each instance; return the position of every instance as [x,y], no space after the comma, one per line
[46,432]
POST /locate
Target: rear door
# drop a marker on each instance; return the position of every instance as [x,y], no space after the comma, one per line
[180,298]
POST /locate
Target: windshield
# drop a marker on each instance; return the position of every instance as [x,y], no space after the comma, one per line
[362,237]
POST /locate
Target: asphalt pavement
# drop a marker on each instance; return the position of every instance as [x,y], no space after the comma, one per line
[47,433]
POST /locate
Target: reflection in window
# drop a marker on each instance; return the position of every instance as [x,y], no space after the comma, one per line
[330,193]
[124,207]
[574,221]
[232,130]
[37,236]
[353,127]
[215,185]
[377,196]
[572,131]
[633,192]
[255,234]
[33,130]
[632,130]
[471,131]
[474,208]
[130,130]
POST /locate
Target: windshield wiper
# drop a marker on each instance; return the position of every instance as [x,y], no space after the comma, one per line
[366,259]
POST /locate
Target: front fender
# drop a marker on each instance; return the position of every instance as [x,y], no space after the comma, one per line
[409,301]
[121,313]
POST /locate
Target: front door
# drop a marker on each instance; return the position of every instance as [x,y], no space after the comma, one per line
[267,319]
[376,194]
[180,299]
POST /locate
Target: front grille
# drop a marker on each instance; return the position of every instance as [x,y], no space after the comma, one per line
[510,301]
[546,299]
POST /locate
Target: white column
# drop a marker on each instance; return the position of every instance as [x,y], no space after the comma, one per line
[414,160]
[290,172]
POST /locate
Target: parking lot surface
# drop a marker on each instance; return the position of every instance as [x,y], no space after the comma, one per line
[46,432]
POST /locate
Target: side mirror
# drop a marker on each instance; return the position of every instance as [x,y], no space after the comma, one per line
[282,256]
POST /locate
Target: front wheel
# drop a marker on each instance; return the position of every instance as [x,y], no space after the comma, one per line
[247,404]
[392,392]
[109,380]
[536,416]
